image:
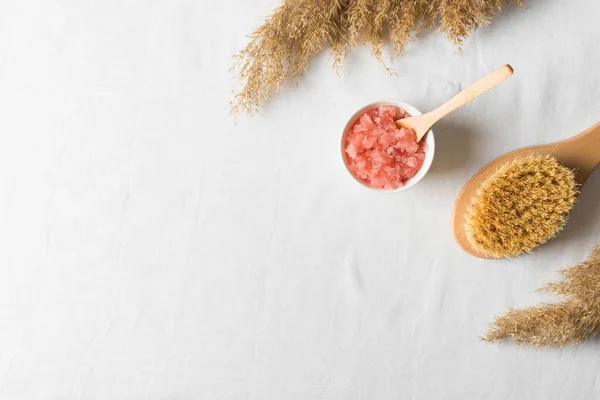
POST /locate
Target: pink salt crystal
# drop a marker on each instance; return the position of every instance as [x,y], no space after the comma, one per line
[379,153]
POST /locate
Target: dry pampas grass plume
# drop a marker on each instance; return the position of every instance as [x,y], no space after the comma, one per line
[575,319]
[521,206]
[280,49]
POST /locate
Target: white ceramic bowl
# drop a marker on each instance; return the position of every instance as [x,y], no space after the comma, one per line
[429,139]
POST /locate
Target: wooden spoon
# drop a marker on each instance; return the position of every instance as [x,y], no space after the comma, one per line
[581,153]
[421,123]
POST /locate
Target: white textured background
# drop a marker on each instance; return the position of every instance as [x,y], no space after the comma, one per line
[151,249]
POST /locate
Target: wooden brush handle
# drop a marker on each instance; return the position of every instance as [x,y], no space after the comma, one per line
[582,150]
[476,89]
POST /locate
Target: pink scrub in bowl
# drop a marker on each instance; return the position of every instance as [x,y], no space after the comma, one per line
[382,156]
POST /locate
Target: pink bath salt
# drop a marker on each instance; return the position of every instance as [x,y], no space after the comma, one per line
[381,154]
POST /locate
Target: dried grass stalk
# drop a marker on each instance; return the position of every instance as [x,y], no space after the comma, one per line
[279,50]
[572,321]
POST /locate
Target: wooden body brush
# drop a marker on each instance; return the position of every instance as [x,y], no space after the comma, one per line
[522,199]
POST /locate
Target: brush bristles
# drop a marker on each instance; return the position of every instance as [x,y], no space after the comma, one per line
[521,206]
[572,321]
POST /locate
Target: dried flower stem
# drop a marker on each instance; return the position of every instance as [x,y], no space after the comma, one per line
[572,321]
[279,50]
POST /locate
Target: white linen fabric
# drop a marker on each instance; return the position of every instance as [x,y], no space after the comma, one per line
[152,248]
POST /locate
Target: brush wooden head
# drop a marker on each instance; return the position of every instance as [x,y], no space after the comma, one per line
[521,206]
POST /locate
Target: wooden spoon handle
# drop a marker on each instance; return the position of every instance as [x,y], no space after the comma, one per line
[476,89]
[581,152]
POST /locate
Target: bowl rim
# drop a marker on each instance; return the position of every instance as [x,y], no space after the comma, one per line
[429,139]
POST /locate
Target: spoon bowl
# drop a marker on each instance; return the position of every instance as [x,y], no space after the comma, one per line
[429,139]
